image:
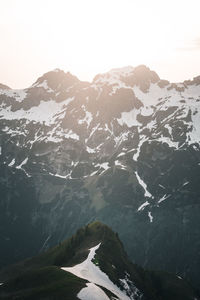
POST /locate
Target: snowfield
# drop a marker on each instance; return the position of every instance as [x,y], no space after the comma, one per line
[89,271]
[92,292]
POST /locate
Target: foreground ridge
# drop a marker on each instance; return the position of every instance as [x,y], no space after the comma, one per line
[101,274]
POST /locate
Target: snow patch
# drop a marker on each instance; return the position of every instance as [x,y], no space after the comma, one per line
[45,112]
[22,163]
[88,117]
[44,85]
[143,206]
[168,141]
[19,95]
[12,162]
[163,198]
[89,271]
[90,150]
[141,142]
[150,216]
[103,165]
[130,288]
[118,163]
[121,154]
[92,292]
[143,184]
[129,118]
[113,77]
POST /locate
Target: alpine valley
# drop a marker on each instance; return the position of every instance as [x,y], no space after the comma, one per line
[124,150]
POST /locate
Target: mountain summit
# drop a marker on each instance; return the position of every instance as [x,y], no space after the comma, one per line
[56,80]
[140,76]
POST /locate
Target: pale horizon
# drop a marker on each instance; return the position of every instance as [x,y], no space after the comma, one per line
[92,37]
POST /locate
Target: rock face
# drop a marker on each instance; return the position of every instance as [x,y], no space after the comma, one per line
[123,149]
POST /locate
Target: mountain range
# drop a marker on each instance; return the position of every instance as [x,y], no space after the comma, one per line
[123,149]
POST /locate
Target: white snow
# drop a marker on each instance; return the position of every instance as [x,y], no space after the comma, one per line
[12,162]
[121,138]
[89,271]
[168,141]
[130,288]
[162,186]
[150,216]
[146,110]
[15,132]
[163,198]
[71,135]
[113,76]
[44,85]
[121,154]
[19,95]
[0,150]
[45,112]
[143,205]
[103,165]
[143,184]
[87,119]
[143,138]
[93,173]
[129,118]
[57,175]
[92,132]
[90,150]
[120,164]
[155,93]
[22,163]
[53,139]
[92,292]
[169,128]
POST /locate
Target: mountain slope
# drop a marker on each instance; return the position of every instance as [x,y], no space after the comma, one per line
[123,149]
[106,273]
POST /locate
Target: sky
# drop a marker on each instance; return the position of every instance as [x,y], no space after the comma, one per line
[87,37]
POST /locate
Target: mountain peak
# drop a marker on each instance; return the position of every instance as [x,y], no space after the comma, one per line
[56,79]
[114,75]
[4,87]
[141,76]
[143,72]
[123,71]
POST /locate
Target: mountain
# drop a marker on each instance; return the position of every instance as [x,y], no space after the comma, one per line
[92,264]
[123,149]
[4,87]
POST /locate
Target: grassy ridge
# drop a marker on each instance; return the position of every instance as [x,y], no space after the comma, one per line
[41,277]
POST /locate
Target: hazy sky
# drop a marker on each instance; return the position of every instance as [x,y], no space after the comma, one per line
[87,37]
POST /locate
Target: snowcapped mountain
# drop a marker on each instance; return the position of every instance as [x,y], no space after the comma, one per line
[123,148]
[90,270]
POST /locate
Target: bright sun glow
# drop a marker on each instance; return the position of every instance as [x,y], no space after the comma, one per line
[89,37]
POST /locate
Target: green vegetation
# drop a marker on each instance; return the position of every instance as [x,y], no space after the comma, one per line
[42,278]
[45,283]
